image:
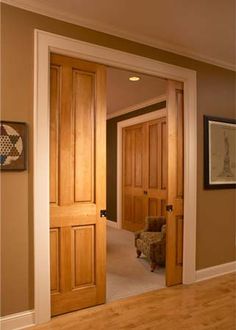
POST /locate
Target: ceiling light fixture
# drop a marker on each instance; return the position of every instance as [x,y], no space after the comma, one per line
[134,78]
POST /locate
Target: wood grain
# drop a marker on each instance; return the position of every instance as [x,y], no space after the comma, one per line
[55,90]
[133,213]
[83,103]
[174,246]
[83,250]
[207,305]
[54,260]
[144,172]
[78,181]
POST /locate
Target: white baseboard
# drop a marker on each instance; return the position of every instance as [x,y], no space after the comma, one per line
[112,224]
[207,273]
[17,321]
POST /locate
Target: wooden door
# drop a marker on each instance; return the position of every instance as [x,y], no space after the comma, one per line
[156,167]
[174,249]
[133,177]
[77,184]
[144,172]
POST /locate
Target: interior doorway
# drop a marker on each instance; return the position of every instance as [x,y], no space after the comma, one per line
[143,111]
[142,179]
[45,41]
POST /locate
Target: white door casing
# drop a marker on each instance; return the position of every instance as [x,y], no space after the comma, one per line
[44,44]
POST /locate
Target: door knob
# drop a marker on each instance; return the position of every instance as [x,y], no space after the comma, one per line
[103,213]
[169,208]
[145,192]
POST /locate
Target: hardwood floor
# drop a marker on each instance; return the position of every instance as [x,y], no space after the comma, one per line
[209,304]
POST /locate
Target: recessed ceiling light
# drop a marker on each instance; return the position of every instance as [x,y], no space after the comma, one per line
[134,78]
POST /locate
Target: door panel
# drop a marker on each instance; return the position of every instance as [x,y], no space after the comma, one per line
[83,256]
[157,164]
[54,259]
[138,210]
[77,183]
[138,157]
[55,78]
[133,178]
[83,84]
[175,183]
[144,172]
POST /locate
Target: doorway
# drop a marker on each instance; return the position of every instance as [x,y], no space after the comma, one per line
[143,101]
[41,198]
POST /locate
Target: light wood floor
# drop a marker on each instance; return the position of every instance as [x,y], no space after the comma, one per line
[209,304]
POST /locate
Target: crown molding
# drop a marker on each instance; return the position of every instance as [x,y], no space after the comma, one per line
[137,106]
[74,19]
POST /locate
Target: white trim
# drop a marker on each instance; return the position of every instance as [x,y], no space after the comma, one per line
[120,125]
[108,29]
[17,321]
[112,224]
[137,106]
[219,270]
[46,42]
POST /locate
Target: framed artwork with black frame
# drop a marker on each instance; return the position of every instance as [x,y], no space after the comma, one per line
[219,153]
[13,146]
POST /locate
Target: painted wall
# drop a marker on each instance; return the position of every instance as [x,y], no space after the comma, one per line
[112,156]
[216,96]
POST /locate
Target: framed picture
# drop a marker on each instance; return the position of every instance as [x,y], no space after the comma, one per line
[13,148]
[219,153]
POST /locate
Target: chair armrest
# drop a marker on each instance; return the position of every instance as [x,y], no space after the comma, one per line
[137,234]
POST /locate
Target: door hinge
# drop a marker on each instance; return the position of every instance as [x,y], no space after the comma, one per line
[103,213]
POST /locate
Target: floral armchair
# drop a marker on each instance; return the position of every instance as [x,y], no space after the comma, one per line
[151,241]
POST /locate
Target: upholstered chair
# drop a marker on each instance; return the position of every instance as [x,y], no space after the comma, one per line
[151,241]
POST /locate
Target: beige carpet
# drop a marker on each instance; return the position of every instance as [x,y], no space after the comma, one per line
[127,275]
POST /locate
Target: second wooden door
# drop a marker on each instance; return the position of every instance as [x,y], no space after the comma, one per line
[144,172]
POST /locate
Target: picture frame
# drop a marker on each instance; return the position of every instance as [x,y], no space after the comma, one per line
[219,153]
[13,146]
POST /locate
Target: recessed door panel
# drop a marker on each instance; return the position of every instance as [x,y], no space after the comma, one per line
[83,103]
[54,260]
[83,251]
[55,82]
[138,157]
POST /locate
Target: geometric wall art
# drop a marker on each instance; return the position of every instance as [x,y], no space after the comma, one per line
[219,153]
[13,153]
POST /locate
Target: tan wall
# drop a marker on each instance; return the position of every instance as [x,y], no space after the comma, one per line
[215,209]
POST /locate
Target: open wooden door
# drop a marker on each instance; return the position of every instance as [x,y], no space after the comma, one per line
[77,184]
[175,175]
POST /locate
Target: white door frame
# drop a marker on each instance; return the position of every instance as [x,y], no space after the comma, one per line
[120,125]
[44,43]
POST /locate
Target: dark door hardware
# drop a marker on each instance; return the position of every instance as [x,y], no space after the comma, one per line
[103,213]
[145,192]
[169,208]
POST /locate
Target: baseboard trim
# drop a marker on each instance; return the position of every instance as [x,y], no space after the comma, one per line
[210,272]
[18,321]
[112,224]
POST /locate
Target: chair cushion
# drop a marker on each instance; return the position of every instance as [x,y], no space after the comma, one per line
[150,237]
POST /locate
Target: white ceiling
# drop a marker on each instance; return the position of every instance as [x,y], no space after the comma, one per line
[201,29]
[122,93]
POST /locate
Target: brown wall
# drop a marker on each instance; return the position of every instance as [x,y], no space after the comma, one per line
[216,96]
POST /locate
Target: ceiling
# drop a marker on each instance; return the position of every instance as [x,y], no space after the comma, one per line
[201,29]
[123,93]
